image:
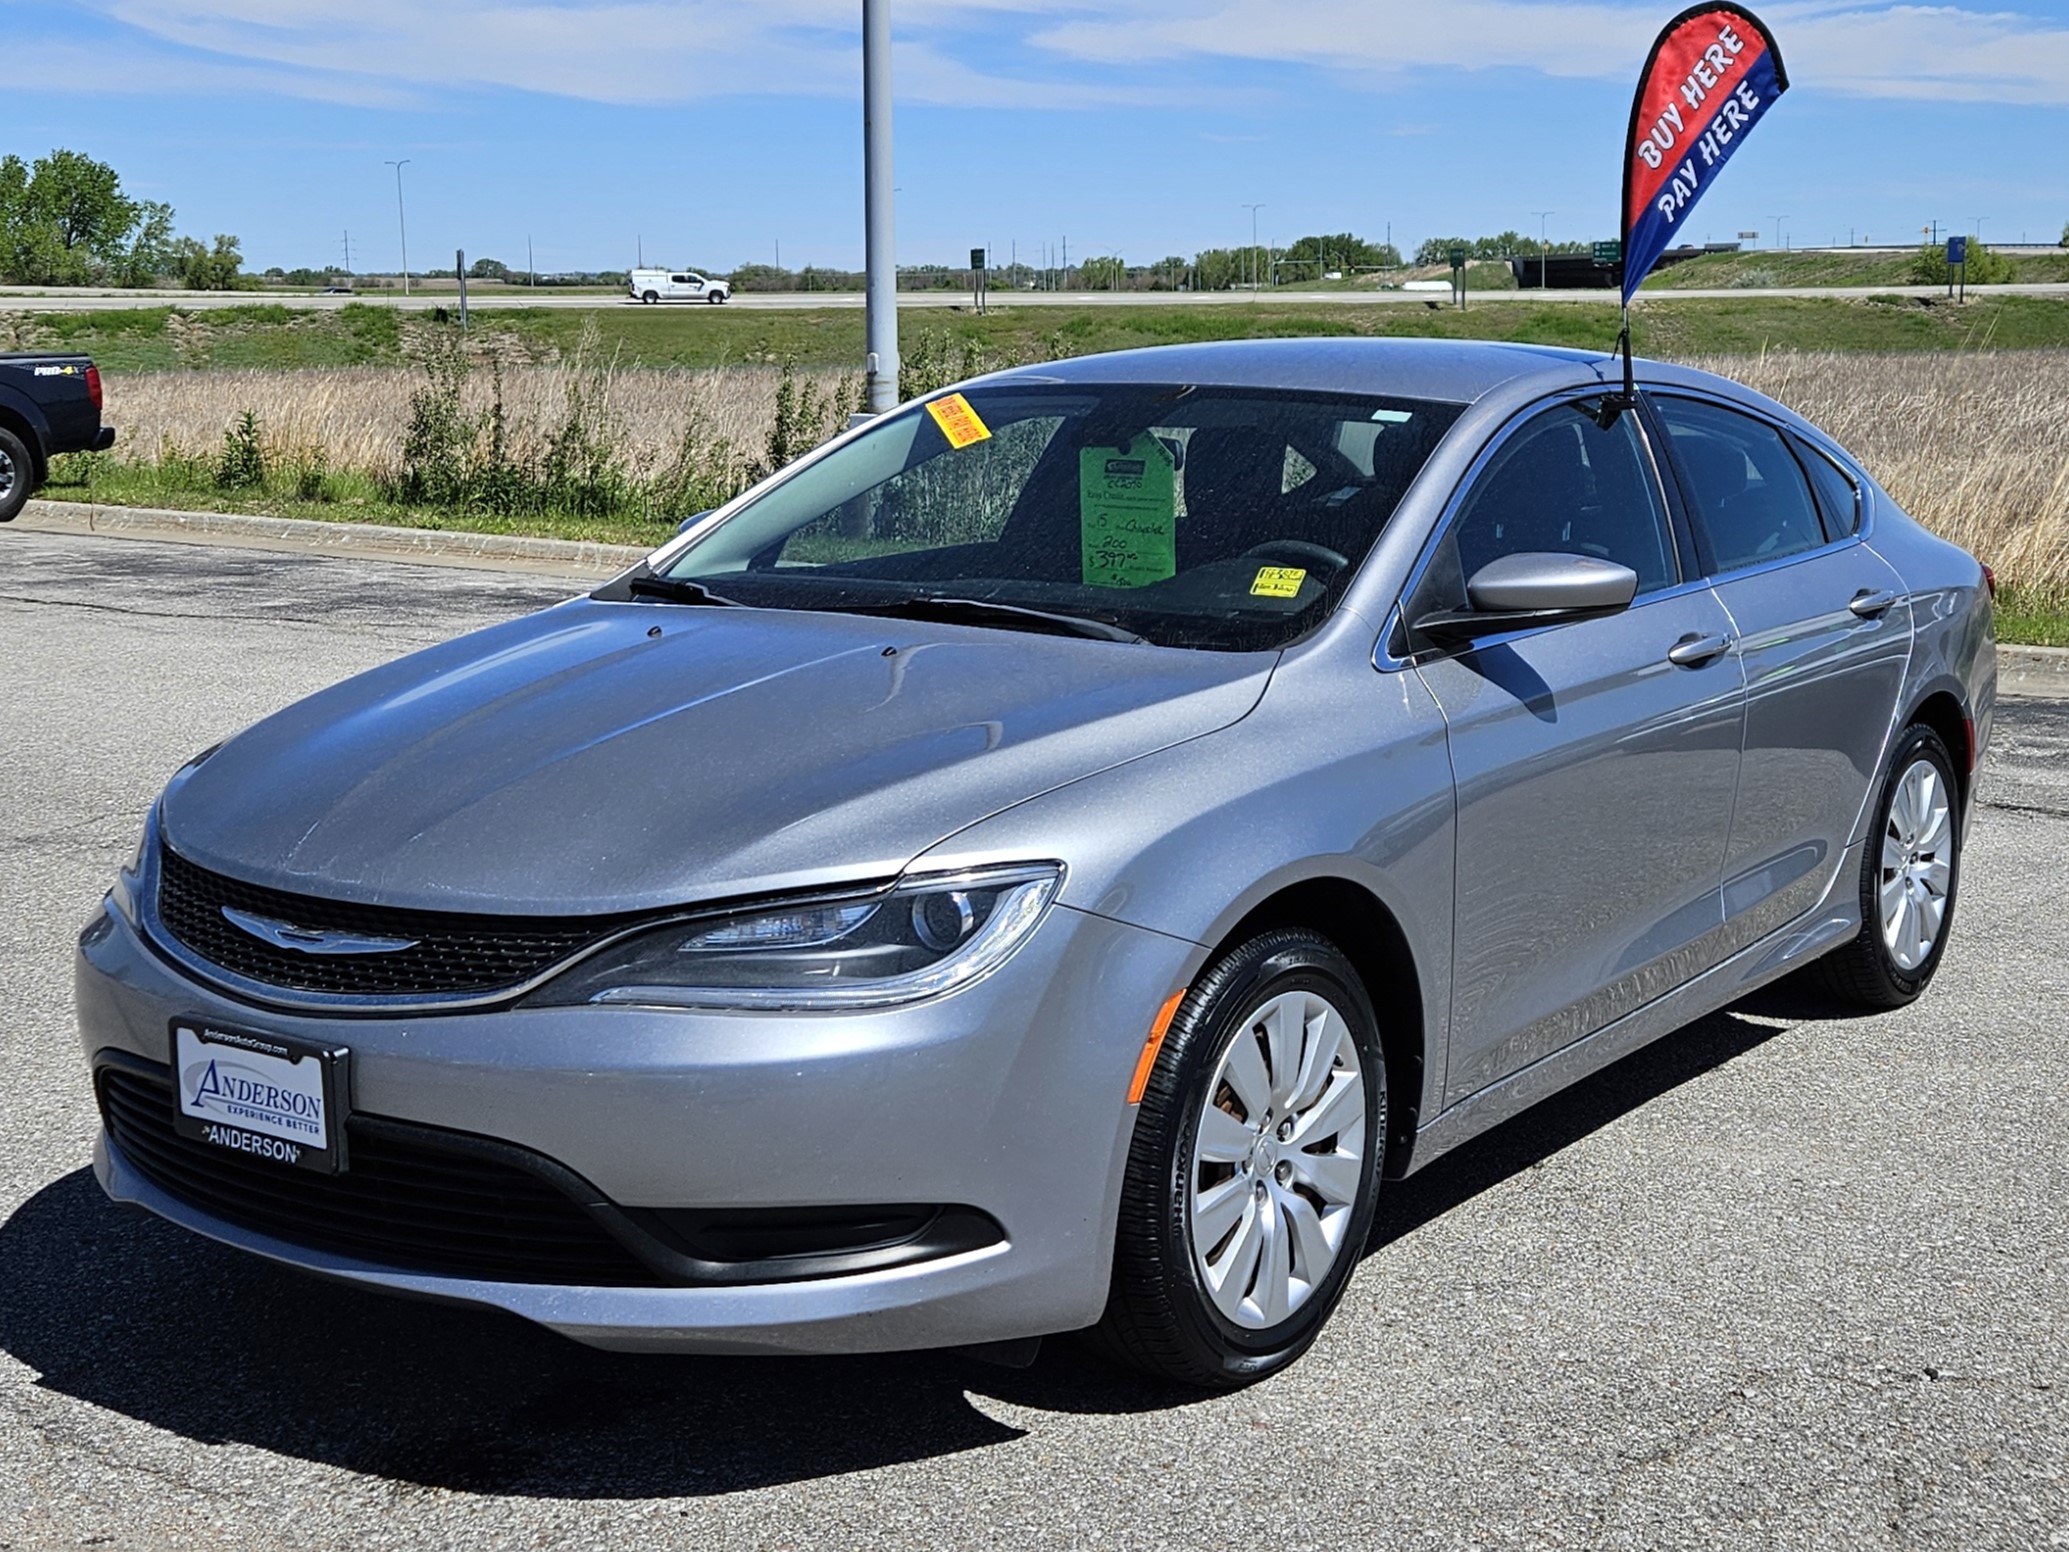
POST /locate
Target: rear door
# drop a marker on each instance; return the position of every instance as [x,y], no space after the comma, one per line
[1824,630]
[1595,772]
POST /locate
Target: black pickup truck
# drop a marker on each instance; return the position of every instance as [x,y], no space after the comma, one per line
[48,405]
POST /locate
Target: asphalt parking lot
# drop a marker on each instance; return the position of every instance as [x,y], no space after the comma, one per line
[1778,1281]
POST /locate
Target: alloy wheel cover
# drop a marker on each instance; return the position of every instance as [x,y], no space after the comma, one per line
[1917,870]
[1277,1159]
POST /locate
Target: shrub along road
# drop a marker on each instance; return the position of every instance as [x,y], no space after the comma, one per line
[1776,1281]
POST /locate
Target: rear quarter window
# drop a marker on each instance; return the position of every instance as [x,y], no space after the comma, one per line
[1838,497]
[1748,490]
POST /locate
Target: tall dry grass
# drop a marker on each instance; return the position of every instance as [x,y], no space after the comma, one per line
[1975,445]
[357,415]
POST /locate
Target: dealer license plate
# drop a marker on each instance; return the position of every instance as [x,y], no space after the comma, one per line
[261,1095]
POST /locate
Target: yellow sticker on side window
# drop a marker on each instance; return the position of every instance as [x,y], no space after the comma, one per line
[1278,582]
[958,421]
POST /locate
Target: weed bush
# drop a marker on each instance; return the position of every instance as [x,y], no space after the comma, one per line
[1929,266]
[484,461]
[242,464]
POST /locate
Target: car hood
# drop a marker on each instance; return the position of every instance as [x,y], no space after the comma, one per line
[603,757]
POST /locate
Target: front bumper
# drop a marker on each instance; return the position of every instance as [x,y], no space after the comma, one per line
[1008,1096]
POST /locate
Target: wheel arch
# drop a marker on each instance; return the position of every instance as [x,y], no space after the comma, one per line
[32,433]
[1369,935]
[1942,711]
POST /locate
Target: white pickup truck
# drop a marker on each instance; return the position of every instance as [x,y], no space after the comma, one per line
[662,285]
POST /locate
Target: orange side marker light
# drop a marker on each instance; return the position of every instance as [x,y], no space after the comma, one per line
[1154,1044]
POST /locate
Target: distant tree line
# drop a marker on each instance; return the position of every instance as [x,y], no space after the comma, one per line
[64,221]
[1506,245]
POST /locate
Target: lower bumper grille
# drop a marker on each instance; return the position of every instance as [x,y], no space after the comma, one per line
[418,1199]
[402,1203]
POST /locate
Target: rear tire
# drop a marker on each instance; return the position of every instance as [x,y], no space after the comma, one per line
[1910,873]
[17,475]
[649,296]
[1253,1174]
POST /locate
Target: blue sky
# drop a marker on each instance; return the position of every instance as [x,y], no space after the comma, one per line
[710,131]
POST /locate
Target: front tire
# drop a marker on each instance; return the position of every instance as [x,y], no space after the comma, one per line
[17,475]
[718,298]
[1253,1174]
[1909,875]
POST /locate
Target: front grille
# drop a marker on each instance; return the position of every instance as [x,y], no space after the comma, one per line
[453,955]
[405,1201]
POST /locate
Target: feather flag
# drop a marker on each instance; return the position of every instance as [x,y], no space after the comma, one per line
[1711,76]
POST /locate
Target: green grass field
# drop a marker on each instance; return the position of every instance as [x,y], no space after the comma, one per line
[2032,620]
[1767,267]
[270,335]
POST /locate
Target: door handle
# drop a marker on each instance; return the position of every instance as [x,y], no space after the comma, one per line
[1694,651]
[1868,604]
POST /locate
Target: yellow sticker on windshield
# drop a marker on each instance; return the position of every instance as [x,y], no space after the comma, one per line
[958,421]
[1278,581]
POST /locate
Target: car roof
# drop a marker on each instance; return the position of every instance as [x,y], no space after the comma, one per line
[1457,371]
[1452,371]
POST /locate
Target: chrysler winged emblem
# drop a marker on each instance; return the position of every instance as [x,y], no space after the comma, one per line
[312,940]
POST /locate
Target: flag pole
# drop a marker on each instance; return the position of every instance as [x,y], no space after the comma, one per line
[1630,376]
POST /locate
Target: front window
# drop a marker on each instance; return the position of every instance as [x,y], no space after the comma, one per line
[1562,483]
[1220,518]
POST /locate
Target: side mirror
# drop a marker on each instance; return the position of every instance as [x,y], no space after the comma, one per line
[693,520]
[1533,588]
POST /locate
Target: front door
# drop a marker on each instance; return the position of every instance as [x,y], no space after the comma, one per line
[1594,773]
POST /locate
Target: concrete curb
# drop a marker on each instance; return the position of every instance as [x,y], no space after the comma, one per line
[2033,673]
[421,546]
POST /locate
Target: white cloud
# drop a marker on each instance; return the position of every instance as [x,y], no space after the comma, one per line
[1016,53]
[1883,51]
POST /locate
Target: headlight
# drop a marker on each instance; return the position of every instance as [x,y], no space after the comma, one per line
[132,882]
[128,889]
[924,937]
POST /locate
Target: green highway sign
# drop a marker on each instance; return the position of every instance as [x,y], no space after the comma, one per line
[1457,257]
[1608,254]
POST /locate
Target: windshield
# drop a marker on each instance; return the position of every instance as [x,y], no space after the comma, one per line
[1221,518]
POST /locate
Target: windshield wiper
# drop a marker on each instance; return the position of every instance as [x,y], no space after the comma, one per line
[677,590]
[983,611]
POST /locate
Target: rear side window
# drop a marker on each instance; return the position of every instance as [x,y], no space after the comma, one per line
[1839,499]
[1748,490]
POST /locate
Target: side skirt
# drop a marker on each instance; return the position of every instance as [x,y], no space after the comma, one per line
[1835,919]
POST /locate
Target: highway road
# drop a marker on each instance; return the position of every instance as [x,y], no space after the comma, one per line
[1779,1281]
[26,299]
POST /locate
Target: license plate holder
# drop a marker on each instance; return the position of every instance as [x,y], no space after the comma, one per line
[267,1097]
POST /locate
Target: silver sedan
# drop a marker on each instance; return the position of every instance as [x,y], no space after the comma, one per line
[1042,862]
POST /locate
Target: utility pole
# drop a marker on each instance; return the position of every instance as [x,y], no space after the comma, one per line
[401,224]
[1252,256]
[1977,230]
[1778,220]
[879,211]
[1543,263]
[348,255]
[531,273]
